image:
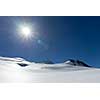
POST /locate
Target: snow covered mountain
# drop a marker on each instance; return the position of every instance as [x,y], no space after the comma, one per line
[20,70]
[77,63]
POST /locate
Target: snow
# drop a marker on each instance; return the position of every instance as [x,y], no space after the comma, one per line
[11,71]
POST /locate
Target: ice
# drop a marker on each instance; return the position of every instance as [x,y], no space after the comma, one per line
[12,71]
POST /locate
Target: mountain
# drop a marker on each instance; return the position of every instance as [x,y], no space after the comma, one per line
[20,70]
[76,63]
[46,62]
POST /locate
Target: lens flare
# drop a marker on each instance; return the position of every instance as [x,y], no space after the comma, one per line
[26,32]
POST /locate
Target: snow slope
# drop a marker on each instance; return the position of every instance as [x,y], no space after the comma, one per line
[20,70]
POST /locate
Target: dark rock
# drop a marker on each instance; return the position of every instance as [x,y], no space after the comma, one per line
[22,64]
[76,63]
[81,63]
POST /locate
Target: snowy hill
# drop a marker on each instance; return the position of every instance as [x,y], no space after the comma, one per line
[20,70]
[76,63]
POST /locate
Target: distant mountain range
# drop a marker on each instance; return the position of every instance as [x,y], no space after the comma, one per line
[69,61]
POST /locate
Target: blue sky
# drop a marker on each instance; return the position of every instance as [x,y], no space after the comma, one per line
[54,38]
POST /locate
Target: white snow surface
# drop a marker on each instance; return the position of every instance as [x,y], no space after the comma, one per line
[11,71]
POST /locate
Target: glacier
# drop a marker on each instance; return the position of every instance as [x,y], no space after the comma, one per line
[20,70]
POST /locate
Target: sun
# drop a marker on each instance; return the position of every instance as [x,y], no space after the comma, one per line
[26,31]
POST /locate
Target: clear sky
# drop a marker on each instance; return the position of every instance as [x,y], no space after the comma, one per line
[54,38]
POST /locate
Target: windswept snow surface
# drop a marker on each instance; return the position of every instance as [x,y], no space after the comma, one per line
[20,70]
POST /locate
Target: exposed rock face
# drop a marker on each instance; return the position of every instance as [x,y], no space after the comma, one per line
[76,63]
[22,64]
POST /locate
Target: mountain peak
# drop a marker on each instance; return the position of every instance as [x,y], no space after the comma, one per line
[76,63]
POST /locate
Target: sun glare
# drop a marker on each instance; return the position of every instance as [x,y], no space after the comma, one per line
[26,31]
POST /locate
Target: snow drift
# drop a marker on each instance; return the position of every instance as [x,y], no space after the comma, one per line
[20,70]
